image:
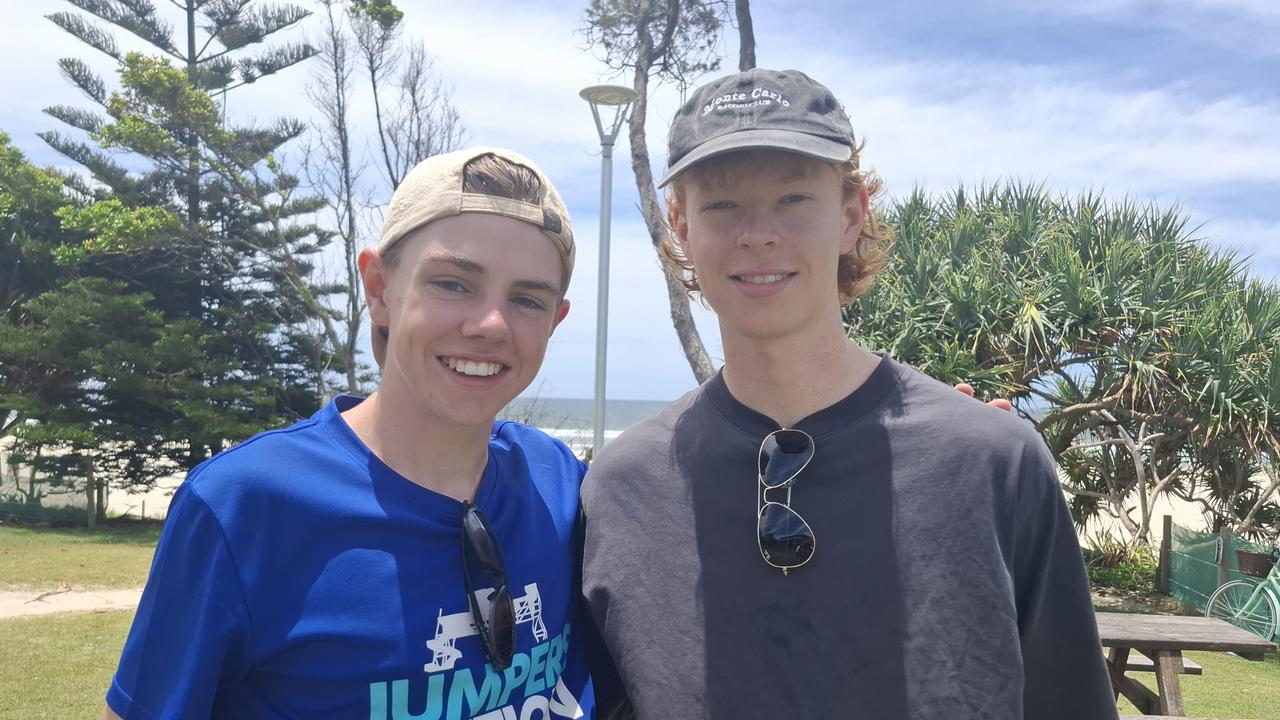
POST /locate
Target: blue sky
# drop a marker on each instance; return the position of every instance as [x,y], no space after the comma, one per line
[1174,101]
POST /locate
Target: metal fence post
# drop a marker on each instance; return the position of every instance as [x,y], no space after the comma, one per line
[1166,547]
[1224,553]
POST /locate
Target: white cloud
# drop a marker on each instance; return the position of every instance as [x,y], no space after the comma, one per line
[935,123]
[517,68]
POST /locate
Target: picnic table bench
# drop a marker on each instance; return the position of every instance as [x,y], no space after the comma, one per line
[1162,717]
[1142,663]
[1162,639]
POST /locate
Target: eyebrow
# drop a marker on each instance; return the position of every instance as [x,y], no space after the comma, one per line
[461,262]
[468,265]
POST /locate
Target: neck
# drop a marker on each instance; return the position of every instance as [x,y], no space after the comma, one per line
[443,457]
[790,378]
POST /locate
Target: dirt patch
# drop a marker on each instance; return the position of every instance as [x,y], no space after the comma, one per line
[26,603]
[1130,601]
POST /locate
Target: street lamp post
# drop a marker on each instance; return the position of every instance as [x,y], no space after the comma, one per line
[619,98]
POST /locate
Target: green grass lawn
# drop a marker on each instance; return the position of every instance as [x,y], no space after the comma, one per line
[58,667]
[116,555]
[1229,688]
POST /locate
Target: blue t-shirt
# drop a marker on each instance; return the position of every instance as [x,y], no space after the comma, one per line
[298,576]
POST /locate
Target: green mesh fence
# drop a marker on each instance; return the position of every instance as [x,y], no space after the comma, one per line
[1193,564]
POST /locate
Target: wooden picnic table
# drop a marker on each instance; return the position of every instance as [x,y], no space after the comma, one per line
[1163,638]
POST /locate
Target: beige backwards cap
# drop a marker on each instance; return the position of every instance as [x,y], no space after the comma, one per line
[434,190]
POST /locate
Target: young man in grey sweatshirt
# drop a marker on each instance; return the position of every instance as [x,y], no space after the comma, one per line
[820,531]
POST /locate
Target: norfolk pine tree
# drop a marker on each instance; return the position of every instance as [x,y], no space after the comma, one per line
[89,377]
[204,272]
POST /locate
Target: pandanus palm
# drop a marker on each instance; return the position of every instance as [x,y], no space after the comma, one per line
[1144,358]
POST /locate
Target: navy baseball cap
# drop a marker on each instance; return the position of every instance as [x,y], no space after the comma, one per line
[759,109]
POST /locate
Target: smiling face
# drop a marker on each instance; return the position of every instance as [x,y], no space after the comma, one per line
[470,303]
[764,232]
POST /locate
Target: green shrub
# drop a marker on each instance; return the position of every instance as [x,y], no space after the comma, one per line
[1119,566]
[27,513]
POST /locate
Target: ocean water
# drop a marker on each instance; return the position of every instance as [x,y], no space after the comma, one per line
[570,419]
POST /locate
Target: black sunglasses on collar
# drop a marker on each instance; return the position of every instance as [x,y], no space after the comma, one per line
[479,543]
[786,541]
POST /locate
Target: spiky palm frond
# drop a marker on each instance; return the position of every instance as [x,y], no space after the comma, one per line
[1087,302]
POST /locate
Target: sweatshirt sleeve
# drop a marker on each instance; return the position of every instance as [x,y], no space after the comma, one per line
[1065,675]
[190,631]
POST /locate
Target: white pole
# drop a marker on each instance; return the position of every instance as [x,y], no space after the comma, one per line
[602,292]
[619,98]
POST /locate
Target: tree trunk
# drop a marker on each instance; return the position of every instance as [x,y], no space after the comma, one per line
[374,69]
[33,495]
[1273,488]
[196,451]
[350,254]
[91,501]
[681,317]
[746,36]
[346,181]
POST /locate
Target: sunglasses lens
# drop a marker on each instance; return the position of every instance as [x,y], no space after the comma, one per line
[782,455]
[499,632]
[785,538]
[502,629]
[481,540]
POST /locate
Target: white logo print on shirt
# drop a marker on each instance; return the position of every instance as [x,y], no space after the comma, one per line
[449,628]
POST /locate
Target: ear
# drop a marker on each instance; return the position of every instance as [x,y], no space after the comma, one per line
[561,313]
[375,275]
[855,215]
[680,228]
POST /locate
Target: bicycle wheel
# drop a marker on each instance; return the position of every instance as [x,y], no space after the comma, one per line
[1229,602]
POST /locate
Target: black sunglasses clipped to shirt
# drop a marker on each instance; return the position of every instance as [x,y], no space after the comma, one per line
[480,545]
[786,541]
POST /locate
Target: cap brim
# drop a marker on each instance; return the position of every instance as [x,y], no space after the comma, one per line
[785,140]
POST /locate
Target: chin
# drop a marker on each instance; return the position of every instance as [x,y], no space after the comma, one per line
[470,415]
[759,325]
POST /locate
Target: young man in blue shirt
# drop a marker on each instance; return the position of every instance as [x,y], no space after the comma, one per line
[403,555]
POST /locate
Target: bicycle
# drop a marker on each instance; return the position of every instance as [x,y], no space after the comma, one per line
[1252,605]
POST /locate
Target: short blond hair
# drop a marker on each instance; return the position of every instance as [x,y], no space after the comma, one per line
[858,268]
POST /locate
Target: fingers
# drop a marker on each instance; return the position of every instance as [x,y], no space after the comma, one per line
[1000,403]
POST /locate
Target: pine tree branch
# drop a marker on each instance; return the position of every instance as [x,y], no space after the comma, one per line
[87,32]
[79,74]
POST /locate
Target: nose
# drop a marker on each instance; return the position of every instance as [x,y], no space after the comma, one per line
[487,322]
[755,230]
